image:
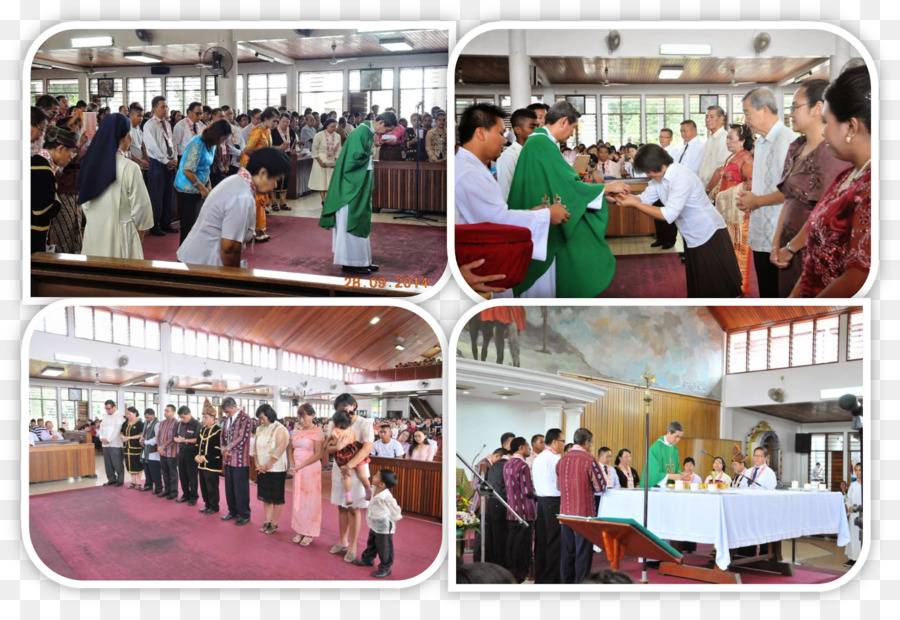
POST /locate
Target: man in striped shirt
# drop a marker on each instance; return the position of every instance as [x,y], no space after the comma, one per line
[168,454]
[236,432]
[520,497]
[578,478]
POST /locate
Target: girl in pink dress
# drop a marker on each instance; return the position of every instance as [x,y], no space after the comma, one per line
[306,465]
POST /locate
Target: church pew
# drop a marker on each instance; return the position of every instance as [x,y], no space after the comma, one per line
[418,489]
[73,275]
[395,186]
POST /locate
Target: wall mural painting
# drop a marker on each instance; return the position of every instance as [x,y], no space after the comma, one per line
[683,345]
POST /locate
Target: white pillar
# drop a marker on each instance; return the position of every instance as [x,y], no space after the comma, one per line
[553,410]
[573,418]
[291,98]
[227,86]
[83,90]
[165,349]
[519,69]
[840,57]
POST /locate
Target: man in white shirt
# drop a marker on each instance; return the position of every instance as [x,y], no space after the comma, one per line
[692,152]
[546,527]
[665,141]
[604,458]
[607,167]
[761,476]
[478,196]
[188,127]
[160,149]
[48,434]
[715,152]
[109,433]
[387,446]
[523,122]
[136,152]
[540,110]
[764,201]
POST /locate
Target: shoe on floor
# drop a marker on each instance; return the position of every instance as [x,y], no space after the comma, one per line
[228,517]
[285,208]
[181,500]
[382,572]
[374,267]
[361,563]
[275,208]
[668,246]
[656,244]
[242,521]
[171,230]
[156,231]
[359,270]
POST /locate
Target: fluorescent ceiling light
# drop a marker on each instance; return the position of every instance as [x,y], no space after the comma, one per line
[264,57]
[835,393]
[375,320]
[53,371]
[400,347]
[74,359]
[685,49]
[395,45]
[465,392]
[142,57]
[202,384]
[670,73]
[40,65]
[101,41]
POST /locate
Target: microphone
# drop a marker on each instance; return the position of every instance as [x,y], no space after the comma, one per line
[475,460]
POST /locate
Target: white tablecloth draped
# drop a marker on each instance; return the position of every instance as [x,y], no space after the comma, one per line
[732,519]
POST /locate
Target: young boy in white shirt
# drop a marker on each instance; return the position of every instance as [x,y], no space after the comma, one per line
[381,517]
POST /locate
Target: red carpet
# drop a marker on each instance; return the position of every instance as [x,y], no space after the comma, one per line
[654,276]
[298,245]
[111,533]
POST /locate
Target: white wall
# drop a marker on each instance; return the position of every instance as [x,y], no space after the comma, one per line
[801,385]
[482,421]
[744,421]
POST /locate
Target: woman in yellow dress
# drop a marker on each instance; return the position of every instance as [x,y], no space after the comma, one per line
[259,138]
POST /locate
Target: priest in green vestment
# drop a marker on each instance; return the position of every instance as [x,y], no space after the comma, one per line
[664,460]
[579,262]
[348,205]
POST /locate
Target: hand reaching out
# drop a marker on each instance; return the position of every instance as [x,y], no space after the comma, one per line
[479,283]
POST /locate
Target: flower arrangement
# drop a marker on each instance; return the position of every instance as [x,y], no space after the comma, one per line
[462,503]
[466,521]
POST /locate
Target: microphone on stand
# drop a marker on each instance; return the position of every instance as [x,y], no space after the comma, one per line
[475,460]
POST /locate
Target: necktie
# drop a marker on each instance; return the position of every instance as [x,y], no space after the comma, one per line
[686,145]
[755,471]
[194,128]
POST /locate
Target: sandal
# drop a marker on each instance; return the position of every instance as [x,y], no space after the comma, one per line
[272,529]
[350,556]
[306,542]
[265,527]
[337,549]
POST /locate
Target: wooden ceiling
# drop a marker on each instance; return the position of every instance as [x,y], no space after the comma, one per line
[349,45]
[85,374]
[339,334]
[741,317]
[807,413]
[570,70]
[179,54]
[358,44]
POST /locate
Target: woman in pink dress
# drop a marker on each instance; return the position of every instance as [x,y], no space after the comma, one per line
[420,449]
[306,466]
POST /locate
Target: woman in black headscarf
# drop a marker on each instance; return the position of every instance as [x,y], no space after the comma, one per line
[113,195]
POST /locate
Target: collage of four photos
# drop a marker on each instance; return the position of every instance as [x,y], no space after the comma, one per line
[234,231]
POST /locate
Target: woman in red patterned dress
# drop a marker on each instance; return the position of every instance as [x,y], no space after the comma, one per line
[838,243]
[737,172]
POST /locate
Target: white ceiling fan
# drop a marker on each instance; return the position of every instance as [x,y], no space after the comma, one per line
[91,71]
[334,59]
[606,81]
[734,81]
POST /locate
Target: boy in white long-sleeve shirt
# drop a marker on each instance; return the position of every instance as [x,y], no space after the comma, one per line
[381,517]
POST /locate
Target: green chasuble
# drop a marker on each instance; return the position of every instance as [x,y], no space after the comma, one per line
[584,262]
[352,182]
[663,460]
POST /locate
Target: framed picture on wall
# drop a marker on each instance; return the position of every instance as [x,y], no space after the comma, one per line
[369,79]
[106,87]
[75,394]
[706,101]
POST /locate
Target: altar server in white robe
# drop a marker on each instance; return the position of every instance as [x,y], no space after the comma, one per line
[478,196]
[760,476]
[112,193]
[854,505]
[524,122]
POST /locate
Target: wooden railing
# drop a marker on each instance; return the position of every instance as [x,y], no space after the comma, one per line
[73,275]
[433,371]
[395,186]
[418,489]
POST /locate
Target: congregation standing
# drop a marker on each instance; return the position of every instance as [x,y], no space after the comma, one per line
[754,201]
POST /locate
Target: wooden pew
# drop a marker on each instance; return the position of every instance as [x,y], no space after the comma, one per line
[418,489]
[395,186]
[74,275]
[59,461]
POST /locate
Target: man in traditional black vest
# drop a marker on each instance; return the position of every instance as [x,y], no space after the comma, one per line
[150,455]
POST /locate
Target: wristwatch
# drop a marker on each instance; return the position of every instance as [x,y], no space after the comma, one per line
[787,246]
